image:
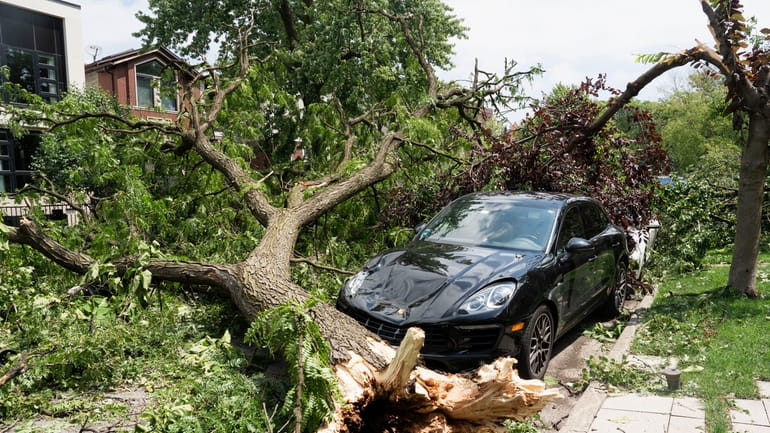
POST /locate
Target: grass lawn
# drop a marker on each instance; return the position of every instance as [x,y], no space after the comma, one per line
[722,341]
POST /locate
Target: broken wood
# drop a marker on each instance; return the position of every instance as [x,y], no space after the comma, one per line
[20,368]
[408,398]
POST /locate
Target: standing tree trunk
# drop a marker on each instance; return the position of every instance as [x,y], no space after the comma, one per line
[753,172]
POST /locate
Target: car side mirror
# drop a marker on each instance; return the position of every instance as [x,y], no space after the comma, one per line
[579,246]
[419,228]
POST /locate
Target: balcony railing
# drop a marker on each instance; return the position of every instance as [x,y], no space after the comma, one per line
[12,214]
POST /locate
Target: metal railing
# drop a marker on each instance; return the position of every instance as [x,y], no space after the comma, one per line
[12,214]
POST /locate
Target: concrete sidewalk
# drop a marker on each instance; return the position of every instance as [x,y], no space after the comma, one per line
[634,413]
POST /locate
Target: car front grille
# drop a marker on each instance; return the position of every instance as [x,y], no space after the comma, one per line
[439,339]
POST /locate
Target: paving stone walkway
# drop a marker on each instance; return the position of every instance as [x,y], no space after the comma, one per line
[633,413]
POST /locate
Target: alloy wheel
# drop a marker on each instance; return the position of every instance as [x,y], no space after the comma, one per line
[540,344]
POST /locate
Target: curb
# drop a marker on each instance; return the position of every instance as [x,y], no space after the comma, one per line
[588,405]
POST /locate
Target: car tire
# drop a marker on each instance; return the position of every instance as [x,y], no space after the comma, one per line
[537,343]
[617,298]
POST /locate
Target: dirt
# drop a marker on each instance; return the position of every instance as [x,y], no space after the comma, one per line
[134,399]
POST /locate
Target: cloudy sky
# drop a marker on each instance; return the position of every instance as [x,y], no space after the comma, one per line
[571,39]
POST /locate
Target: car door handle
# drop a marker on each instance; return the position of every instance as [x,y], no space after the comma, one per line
[615,244]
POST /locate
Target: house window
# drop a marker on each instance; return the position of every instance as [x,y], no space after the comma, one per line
[155,86]
[15,160]
[32,47]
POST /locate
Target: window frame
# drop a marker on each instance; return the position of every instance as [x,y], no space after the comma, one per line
[562,236]
[11,159]
[156,86]
[50,74]
[595,220]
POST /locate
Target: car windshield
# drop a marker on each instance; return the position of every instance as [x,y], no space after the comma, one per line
[509,224]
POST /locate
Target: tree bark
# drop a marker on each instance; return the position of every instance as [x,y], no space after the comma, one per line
[753,172]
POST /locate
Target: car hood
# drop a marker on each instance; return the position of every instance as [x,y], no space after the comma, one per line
[425,282]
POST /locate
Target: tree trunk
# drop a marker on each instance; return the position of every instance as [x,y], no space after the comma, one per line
[753,172]
[408,398]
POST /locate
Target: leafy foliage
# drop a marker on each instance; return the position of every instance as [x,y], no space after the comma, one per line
[621,375]
[548,152]
[526,426]
[696,215]
[176,350]
[289,330]
[694,129]
[608,332]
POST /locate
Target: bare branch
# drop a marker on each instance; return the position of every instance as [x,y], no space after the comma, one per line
[134,126]
[436,151]
[320,266]
[633,88]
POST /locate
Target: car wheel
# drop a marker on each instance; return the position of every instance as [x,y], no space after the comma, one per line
[537,344]
[617,298]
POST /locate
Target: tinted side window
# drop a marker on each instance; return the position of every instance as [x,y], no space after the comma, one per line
[594,218]
[571,227]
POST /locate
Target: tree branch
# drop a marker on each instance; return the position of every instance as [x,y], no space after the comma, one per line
[28,233]
[134,126]
[633,88]
[257,203]
[22,366]
[727,61]
[320,266]
[84,211]
[218,276]
[381,167]
[417,50]
[436,151]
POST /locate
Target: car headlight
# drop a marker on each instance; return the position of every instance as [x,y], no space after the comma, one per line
[489,298]
[354,283]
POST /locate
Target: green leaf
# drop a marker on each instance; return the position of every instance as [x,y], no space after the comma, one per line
[146,279]
[44,301]
[651,58]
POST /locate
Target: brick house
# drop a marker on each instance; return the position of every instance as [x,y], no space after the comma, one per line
[145,81]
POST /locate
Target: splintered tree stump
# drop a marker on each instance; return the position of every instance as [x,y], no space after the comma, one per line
[407,398]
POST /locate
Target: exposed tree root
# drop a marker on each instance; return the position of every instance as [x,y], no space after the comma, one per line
[412,399]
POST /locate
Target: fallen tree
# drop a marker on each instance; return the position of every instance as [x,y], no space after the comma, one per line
[365,125]
[359,101]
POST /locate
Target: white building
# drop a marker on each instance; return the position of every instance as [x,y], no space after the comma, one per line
[41,44]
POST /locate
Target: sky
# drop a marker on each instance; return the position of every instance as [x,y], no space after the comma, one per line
[570,39]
